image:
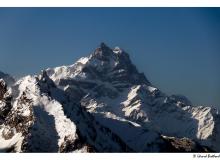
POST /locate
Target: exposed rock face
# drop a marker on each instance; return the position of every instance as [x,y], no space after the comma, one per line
[182,145]
[5,101]
[102,103]
[49,122]
[3,89]
[7,78]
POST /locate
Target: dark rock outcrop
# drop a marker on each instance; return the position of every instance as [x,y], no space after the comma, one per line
[182,145]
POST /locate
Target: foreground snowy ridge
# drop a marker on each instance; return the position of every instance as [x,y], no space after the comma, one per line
[101,103]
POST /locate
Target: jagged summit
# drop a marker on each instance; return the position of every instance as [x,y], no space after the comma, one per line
[103,46]
[103,65]
[101,103]
[7,78]
[113,61]
[105,51]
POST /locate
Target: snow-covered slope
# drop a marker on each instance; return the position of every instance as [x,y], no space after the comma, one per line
[102,103]
[7,78]
[37,122]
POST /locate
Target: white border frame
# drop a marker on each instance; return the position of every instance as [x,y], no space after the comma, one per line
[108,156]
[110,3]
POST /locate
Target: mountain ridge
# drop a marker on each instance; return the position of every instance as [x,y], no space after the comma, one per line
[102,103]
[9,79]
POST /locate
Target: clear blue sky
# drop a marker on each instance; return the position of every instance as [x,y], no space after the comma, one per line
[178,49]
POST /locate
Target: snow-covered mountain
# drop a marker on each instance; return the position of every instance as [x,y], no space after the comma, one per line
[101,103]
[7,78]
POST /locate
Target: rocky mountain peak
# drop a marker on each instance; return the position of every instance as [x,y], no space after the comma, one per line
[115,62]
[104,46]
[104,103]
[103,51]
[7,78]
[104,64]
